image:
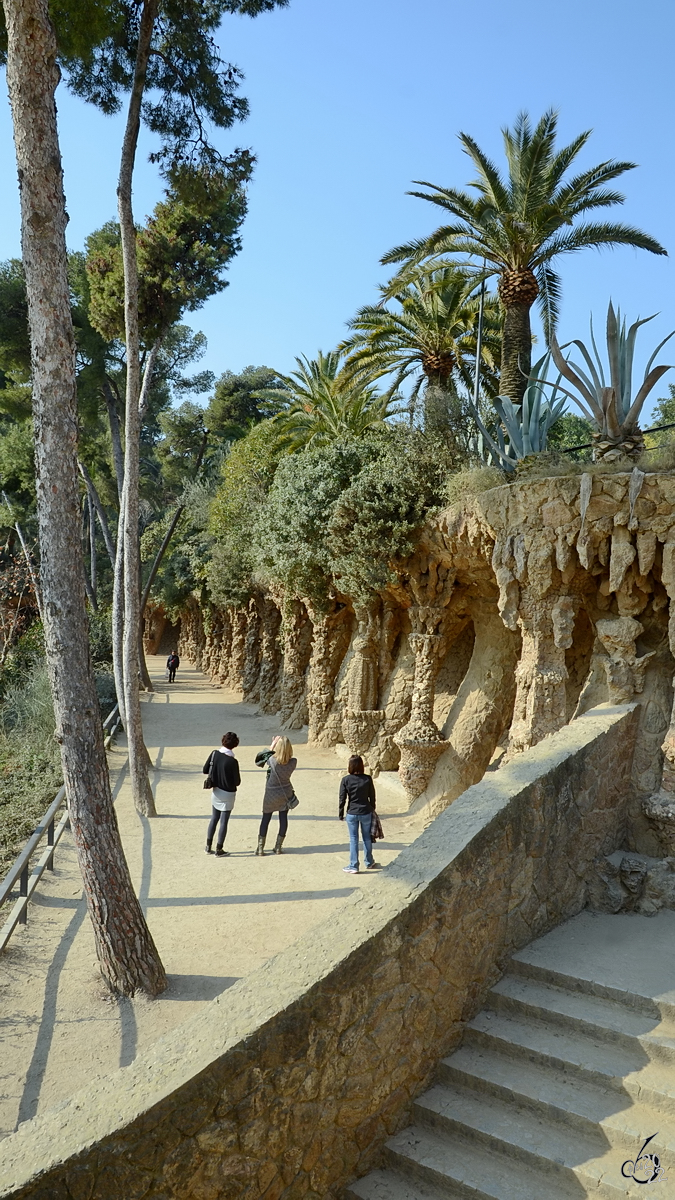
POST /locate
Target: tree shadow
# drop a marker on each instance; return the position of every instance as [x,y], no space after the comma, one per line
[255,898]
[38,1065]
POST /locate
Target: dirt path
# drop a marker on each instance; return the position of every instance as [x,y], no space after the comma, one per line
[214,920]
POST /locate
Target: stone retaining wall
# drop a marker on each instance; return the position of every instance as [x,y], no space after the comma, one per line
[287,1085]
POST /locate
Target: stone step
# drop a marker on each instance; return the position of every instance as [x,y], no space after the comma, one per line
[560,1096]
[459,1167]
[661,1006]
[562,1123]
[596,1016]
[624,1068]
[513,1131]
[391,1185]
[568,1157]
[558,1083]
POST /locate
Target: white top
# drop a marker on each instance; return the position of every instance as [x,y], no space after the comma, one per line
[223,801]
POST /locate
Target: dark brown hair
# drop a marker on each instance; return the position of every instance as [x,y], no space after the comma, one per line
[355,765]
[230,740]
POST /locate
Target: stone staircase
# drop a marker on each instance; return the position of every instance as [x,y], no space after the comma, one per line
[557,1082]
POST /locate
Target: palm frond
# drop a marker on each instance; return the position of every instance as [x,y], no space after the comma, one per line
[493,185]
[562,161]
[597,236]
[548,298]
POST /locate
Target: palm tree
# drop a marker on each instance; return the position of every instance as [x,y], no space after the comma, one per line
[520,224]
[322,403]
[432,336]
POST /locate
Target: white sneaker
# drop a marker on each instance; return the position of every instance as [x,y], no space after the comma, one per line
[372,866]
[351,870]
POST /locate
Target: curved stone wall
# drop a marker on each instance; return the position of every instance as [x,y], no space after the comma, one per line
[287,1085]
[566,586]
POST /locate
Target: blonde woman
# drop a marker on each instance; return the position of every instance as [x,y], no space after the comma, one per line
[278,788]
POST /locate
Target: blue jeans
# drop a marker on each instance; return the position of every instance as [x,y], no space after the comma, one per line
[353,823]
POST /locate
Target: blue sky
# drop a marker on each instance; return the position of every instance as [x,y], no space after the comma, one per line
[353,99]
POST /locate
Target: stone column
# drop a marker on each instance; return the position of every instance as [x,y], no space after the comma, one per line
[270,657]
[191,640]
[541,702]
[330,641]
[251,672]
[625,671]
[237,654]
[361,720]
[220,659]
[659,809]
[420,741]
[297,634]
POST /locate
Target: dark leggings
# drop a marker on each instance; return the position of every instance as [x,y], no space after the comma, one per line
[223,817]
[283,823]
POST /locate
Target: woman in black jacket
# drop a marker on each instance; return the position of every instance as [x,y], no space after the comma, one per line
[357,792]
[223,769]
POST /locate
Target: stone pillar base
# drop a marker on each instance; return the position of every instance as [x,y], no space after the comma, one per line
[420,749]
[359,727]
[659,810]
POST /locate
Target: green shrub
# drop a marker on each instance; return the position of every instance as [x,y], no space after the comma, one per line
[291,539]
[378,518]
[248,472]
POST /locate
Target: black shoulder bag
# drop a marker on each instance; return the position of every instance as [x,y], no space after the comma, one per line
[209,782]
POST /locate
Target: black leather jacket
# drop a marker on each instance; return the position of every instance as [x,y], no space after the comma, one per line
[358,793]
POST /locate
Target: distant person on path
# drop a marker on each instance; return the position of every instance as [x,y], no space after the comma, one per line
[357,792]
[223,769]
[278,788]
[172,665]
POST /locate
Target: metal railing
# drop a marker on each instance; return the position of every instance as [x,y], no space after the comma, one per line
[114,720]
[29,879]
[28,883]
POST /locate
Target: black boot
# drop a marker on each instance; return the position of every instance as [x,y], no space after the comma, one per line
[220,853]
[261,847]
[208,848]
[279,843]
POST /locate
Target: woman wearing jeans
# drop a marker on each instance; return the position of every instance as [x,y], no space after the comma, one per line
[357,792]
[278,789]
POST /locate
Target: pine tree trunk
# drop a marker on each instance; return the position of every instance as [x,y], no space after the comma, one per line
[92,548]
[118,622]
[127,955]
[516,352]
[140,784]
[114,422]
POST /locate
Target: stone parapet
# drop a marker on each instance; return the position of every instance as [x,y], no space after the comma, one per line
[287,1085]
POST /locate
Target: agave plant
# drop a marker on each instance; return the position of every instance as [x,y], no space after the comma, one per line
[611,408]
[523,428]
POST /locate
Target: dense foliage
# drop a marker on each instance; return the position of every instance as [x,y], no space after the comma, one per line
[332,518]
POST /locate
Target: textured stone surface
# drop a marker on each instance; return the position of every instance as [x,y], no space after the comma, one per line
[288,1084]
[521,608]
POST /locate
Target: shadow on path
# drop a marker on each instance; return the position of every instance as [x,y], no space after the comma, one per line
[263,898]
[38,1064]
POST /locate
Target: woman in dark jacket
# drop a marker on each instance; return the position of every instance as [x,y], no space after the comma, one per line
[223,768]
[280,765]
[357,793]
